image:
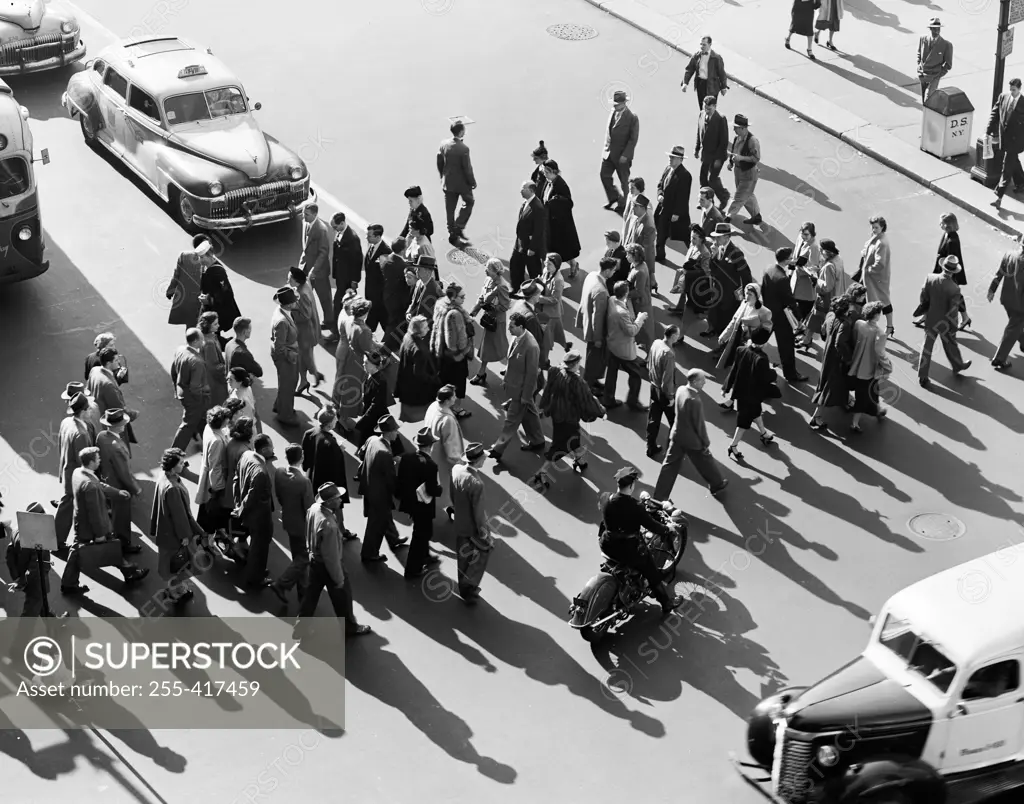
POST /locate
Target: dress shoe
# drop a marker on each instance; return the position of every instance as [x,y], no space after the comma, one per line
[79,589]
[494,455]
[753,221]
[1001,365]
[612,204]
[966,365]
[450,512]
[998,202]
[924,382]
[720,489]
[797,378]
[136,574]
[348,536]
[377,559]
[654,451]
[400,542]
[727,218]
[132,549]
[532,447]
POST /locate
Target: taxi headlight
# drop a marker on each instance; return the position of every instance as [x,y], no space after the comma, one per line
[295,171]
[24,233]
[69,27]
[216,188]
[828,756]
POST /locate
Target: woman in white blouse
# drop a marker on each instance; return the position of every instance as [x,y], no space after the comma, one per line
[240,382]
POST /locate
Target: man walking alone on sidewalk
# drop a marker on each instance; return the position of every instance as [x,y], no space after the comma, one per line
[457,181]
[934,59]
[707,69]
[1011,274]
[1006,127]
[620,140]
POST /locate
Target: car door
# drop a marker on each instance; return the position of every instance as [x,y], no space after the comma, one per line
[113,99]
[986,722]
[144,134]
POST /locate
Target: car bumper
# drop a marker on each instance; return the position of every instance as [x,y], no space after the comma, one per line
[757,776]
[52,63]
[19,273]
[259,219]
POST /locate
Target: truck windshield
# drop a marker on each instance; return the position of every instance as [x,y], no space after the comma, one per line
[920,655]
[204,105]
[13,177]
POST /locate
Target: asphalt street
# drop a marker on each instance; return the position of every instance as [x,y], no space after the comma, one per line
[504,702]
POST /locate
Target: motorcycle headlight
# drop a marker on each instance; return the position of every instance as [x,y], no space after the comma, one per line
[216,188]
[828,756]
[295,171]
[24,233]
[69,27]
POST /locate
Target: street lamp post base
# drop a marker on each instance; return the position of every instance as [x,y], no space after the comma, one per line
[987,171]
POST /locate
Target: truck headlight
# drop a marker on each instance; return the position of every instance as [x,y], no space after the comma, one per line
[295,171]
[216,188]
[69,27]
[828,756]
[24,233]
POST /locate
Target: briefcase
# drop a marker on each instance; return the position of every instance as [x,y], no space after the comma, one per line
[94,555]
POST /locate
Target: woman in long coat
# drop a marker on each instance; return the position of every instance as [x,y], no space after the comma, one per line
[452,343]
[183,290]
[833,389]
[417,370]
[751,315]
[239,441]
[640,292]
[171,523]
[217,295]
[495,298]
[549,307]
[868,366]
[213,357]
[354,343]
[832,283]
[949,245]
[323,460]
[307,321]
[751,381]
[804,266]
[563,239]
[876,269]
[802,23]
[540,156]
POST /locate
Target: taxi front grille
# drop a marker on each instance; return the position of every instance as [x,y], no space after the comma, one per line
[38,48]
[272,197]
[794,783]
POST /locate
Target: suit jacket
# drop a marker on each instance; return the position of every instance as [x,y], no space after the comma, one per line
[316,248]
[532,325]
[467,493]
[520,382]
[91,494]
[643,232]
[940,303]
[414,470]
[424,297]
[115,462]
[622,329]
[74,436]
[689,431]
[621,137]
[1006,125]
[777,296]
[454,167]
[397,292]
[531,228]
[377,475]
[347,259]
[323,459]
[712,139]
[934,56]
[674,189]
[253,491]
[592,315]
[295,496]
[237,355]
[284,337]
[717,80]
[104,389]
[188,373]
[1011,275]
[710,218]
[373,288]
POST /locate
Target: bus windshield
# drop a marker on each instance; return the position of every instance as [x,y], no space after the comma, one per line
[14,177]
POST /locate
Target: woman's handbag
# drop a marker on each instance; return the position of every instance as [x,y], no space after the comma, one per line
[489,320]
[194,555]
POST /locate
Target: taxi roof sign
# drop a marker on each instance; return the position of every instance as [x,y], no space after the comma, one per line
[192,69]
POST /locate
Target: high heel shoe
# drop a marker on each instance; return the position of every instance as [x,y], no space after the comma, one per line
[727,406]
[767,438]
[734,453]
[811,55]
[786,43]
[319,379]
[890,331]
[816,39]
[479,380]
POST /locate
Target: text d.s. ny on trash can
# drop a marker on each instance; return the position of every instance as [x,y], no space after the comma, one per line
[947,123]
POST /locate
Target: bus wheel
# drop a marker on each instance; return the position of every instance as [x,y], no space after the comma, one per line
[182,210]
[88,130]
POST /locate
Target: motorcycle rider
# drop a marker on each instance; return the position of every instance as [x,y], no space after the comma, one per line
[622,517]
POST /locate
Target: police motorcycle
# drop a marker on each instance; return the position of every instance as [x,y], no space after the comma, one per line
[617,592]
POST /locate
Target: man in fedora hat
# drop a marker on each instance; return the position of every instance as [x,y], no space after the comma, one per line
[326,565]
[744,157]
[418,214]
[521,380]
[92,413]
[115,463]
[418,490]
[673,211]
[103,385]
[294,493]
[592,319]
[712,149]
[525,303]
[315,260]
[1006,127]
[74,435]
[641,230]
[473,539]
[1011,275]
[941,302]
[191,388]
[620,138]
[707,69]
[934,58]
[457,181]
[531,237]
[253,493]
[427,290]
[377,484]
[284,350]
[710,215]
[730,274]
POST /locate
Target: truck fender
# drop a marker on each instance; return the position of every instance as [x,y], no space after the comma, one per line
[761,725]
[80,99]
[594,599]
[917,780]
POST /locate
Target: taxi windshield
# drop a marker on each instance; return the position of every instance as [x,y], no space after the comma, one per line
[921,656]
[206,105]
[13,177]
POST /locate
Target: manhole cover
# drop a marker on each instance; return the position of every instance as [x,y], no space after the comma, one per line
[572,33]
[937,527]
[458,256]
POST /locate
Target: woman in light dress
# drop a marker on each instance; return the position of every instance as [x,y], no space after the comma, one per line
[307,322]
[450,444]
[876,269]
[829,16]
[803,267]
[240,382]
[355,342]
[640,292]
[495,298]
[549,307]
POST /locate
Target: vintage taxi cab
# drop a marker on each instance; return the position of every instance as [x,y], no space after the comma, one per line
[932,712]
[37,35]
[180,119]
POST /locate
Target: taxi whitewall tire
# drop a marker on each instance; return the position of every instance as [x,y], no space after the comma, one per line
[180,205]
[88,130]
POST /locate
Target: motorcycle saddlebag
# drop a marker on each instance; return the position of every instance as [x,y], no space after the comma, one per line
[594,599]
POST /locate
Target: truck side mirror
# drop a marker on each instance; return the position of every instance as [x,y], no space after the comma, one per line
[45,156]
[257,106]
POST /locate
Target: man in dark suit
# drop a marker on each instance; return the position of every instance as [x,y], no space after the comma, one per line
[520,383]
[621,136]
[315,261]
[346,264]
[672,215]
[730,274]
[713,149]
[1006,127]
[418,214]
[777,296]
[373,287]
[191,388]
[940,305]
[457,181]
[254,507]
[427,290]
[237,354]
[1011,275]
[418,489]
[115,460]
[377,485]
[295,496]
[710,215]
[707,69]
[531,237]
[397,295]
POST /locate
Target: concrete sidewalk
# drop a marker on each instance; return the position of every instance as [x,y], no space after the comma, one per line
[867,91]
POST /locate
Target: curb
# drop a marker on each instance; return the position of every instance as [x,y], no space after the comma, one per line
[937,175]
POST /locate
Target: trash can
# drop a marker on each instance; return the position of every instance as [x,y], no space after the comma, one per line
[946,126]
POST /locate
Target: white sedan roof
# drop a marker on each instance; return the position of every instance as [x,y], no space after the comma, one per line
[159,65]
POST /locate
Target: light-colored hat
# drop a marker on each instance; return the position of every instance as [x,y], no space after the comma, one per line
[951,264]
[328,491]
[934,22]
[204,247]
